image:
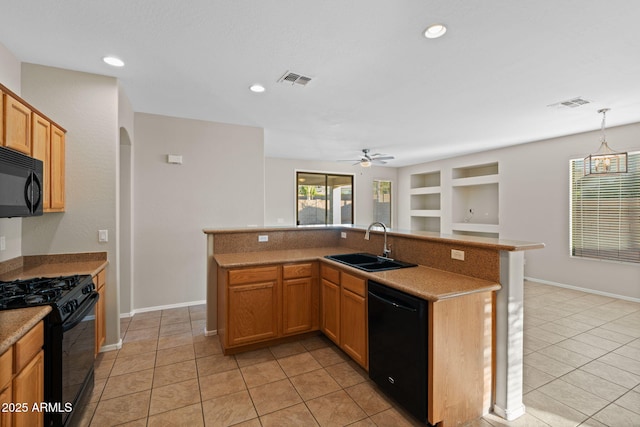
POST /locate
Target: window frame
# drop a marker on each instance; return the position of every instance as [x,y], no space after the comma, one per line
[391,196]
[326,175]
[576,175]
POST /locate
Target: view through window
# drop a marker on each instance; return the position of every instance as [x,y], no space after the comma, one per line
[382,201]
[324,198]
[605,213]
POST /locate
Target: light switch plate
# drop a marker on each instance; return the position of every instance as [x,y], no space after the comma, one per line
[103,236]
[3,243]
[343,235]
[263,238]
[456,254]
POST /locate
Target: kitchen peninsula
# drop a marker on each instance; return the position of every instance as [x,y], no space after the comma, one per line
[475,328]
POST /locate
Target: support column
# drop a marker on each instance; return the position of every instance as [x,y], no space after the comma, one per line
[509,336]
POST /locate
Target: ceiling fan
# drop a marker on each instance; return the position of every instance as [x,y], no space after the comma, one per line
[368,159]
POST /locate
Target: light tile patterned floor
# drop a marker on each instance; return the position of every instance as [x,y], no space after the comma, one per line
[581,367]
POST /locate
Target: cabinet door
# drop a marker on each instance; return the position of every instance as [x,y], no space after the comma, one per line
[56,171]
[101,330]
[296,297]
[353,333]
[17,121]
[40,143]
[28,387]
[252,313]
[330,319]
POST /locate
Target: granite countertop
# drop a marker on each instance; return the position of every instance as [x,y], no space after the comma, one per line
[424,282]
[17,322]
[55,266]
[484,242]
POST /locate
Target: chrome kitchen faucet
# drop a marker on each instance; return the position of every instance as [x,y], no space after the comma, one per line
[385,251]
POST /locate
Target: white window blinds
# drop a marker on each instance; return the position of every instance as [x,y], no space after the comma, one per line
[605,213]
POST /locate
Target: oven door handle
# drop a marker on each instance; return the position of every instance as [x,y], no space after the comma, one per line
[77,317]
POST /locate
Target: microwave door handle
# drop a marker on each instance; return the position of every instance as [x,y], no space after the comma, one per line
[28,192]
[37,191]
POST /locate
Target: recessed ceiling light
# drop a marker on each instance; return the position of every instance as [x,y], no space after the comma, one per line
[113,61]
[434,31]
[257,88]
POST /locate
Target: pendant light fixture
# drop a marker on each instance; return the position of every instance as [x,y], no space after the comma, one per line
[606,160]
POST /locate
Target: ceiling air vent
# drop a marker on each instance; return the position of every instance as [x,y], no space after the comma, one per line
[294,79]
[571,103]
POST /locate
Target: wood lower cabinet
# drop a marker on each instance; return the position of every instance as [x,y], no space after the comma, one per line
[300,299]
[100,280]
[22,380]
[253,305]
[17,125]
[28,387]
[330,321]
[344,312]
[261,304]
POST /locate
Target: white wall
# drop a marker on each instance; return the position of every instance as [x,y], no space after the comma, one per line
[280,187]
[10,228]
[534,206]
[219,184]
[86,105]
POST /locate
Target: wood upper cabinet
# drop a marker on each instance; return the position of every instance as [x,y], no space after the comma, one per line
[56,173]
[17,125]
[253,305]
[25,129]
[100,280]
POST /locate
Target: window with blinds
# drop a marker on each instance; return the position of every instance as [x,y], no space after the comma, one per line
[605,213]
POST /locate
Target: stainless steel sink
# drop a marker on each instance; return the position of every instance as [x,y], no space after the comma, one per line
[369,262]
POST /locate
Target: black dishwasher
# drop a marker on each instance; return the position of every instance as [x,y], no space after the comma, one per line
[398,346]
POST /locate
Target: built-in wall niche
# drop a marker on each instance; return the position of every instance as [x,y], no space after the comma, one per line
[475,200]
[476,204]
[425,223]
[425,195]
[426,179]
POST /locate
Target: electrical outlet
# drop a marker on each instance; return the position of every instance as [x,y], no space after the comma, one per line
[103,236]
[343,235]
[263,238]
[3,244]
[456,254]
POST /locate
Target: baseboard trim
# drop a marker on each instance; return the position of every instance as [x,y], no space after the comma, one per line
[578,288]
[509,414]
[111,347]
[160,307]
[210,333]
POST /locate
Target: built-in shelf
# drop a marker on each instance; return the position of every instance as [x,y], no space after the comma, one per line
[426,212]
[475,180]
[471,197]
[425,201]
[425,223]
[475,227]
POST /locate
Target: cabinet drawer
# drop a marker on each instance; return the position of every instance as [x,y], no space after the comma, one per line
[28,346]
[101,278]
[296,271]
[6,367]
[330,274]
[353,283]
[253,275]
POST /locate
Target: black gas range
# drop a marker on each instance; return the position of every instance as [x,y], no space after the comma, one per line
[69,340]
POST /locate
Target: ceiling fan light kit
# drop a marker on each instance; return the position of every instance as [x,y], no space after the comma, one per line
[369,159]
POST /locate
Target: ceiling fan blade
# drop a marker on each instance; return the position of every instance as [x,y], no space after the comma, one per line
[349,160]
[383,158]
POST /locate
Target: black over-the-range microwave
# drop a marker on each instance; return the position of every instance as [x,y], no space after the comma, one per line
[20,184]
